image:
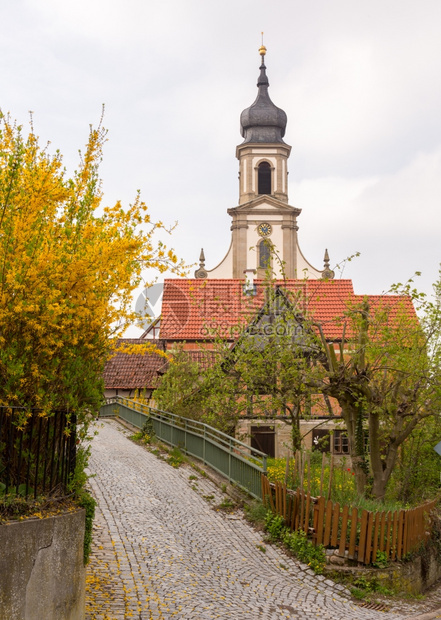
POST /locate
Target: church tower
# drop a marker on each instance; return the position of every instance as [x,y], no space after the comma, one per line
[264,226]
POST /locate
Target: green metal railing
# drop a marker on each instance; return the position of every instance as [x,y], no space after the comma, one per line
[235,460]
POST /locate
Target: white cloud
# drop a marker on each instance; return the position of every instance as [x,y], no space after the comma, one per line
[393,220]
[359,82]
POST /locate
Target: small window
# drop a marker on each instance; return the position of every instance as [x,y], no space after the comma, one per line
[264,178]
[341,442]
[264,254]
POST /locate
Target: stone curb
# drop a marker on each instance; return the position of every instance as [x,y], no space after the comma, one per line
[430,615]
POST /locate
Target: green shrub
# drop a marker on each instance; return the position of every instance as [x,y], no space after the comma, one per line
[381,560]
[296,542]
[312,555]
[274,525]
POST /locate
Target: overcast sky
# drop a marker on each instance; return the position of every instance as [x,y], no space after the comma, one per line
[359,81]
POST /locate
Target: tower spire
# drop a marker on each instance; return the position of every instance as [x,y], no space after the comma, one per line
[263,121]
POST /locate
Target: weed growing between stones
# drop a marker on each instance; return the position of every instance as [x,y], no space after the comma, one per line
[175,458]
[146,435]
[200,471]
[255,512]
[86,501]
[364,588]
[226,504]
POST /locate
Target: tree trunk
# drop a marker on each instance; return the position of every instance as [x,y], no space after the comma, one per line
[296,437]
[351,413]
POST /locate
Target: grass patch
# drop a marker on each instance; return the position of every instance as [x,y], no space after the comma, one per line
[365,588]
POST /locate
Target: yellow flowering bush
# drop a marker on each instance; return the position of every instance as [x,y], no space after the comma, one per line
[68,269]
[276,470]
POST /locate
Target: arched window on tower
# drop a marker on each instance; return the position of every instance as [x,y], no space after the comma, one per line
[264,255]
[264,178]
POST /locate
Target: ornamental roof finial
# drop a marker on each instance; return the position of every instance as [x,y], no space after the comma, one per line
[327,273]
[262,50]
[201,272]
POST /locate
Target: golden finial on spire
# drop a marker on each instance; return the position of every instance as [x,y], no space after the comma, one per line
[262,48]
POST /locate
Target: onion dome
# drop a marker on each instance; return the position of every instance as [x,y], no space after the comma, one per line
[263,121]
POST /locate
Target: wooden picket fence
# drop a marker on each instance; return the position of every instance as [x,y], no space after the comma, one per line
[358,534]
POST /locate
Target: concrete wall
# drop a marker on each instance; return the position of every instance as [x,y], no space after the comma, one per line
[42,576]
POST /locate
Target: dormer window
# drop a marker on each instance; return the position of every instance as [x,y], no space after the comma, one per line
[264,178]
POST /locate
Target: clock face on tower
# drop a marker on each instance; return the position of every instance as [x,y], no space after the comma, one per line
[264,229]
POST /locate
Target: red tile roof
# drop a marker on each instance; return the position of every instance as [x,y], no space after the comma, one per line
[133,370]
[200,309]
[203,357]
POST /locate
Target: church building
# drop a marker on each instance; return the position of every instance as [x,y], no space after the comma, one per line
[264,226]
[224,300]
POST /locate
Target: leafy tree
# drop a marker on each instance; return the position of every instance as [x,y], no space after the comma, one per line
[387,381]
[416,476]
[68,268]
[178,386]
[384,372]
[196,386]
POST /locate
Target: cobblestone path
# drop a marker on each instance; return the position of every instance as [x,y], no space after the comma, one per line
[162,550]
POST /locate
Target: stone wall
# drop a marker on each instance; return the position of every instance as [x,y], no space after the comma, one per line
[42,575]
[406,578]
[282,429]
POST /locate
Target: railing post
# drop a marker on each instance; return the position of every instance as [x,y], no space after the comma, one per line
[229,461]
[203,447]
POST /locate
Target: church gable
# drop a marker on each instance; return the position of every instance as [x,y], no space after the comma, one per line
[262,204]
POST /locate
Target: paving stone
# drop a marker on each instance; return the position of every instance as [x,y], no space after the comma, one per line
[162,551]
